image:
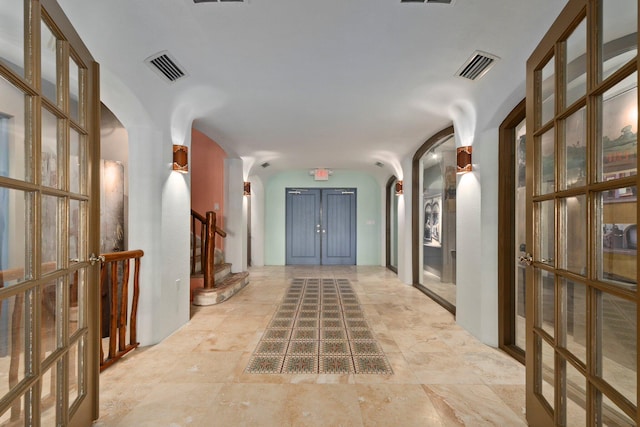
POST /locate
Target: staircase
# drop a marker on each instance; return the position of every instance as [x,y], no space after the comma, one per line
[227,285]
[224,284]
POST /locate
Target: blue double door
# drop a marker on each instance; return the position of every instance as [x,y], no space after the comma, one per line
[321,226]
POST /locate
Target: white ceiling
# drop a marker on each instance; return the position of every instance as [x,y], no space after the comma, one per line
[334,83]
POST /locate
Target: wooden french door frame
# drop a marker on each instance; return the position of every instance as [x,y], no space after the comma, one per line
[65,370]
[597,396]
[507,251]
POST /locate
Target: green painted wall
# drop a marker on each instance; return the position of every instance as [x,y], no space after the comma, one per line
[369,212]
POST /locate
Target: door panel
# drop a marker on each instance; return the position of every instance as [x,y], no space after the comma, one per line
[582,335]
[338,227]
[320,226]
[48,289]
[303,227]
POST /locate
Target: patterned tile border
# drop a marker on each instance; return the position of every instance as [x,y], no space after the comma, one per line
[319,328]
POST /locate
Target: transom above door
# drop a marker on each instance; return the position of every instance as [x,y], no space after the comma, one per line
[320,226]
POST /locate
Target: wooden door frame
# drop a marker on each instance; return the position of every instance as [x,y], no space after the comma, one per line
[506,237]
[389,193]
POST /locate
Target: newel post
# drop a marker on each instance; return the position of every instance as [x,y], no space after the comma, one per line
[209,251]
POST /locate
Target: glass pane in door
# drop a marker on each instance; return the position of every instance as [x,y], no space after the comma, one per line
[15,214]
[13,148]
[50,151]
[12,51]
[617,257]
[545,220]
[619,43]
[520,232]
[546,296]
[575,150]
[573,330]
[546,163]
[573,234]
[50,331]
[619,130]
[576,64]
[617,329]
[575,391]
[48,397]
[51,206]
[611,415]
[49,63]
[76,152]
[74,90]
[14,325]
[547,92]
[545,371]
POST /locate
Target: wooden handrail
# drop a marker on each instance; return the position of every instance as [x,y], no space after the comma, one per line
[208,231]
[119,304]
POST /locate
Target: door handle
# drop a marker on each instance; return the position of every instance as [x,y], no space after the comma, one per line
[93,258]
[526,259]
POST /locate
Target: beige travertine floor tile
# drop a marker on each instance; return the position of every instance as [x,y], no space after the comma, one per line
[396,404]
[324,405]
[471,405]
[442,375]
[513,396]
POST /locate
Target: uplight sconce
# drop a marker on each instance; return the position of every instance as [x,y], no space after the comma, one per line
[181,158]
[399,190]
[464,159]
[247,188]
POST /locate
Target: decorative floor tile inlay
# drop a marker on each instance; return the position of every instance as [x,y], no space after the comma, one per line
[319,328]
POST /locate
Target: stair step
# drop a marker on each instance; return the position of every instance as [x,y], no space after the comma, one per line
[225,289]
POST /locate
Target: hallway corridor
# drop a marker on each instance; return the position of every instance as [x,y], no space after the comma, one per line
[442,376]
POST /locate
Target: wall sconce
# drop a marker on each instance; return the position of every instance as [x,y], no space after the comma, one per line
[247,188]
[181,158]
[464,159]
[399,190]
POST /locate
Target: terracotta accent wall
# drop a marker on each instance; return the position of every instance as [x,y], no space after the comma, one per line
[207,178]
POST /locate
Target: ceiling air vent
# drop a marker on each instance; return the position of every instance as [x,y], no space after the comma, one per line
[217,1]
[166,66]
[477,65]
[427,1]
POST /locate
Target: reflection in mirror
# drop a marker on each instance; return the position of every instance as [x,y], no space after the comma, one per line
[439,219]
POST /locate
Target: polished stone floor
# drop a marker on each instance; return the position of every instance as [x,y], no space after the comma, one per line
[442,376]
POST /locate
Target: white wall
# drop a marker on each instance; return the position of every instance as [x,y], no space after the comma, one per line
[257,221]
[369,244]
[159,212]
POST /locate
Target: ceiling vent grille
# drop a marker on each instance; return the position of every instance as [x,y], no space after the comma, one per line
[477,65]
[218,1]
[166,66]
[427,1]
